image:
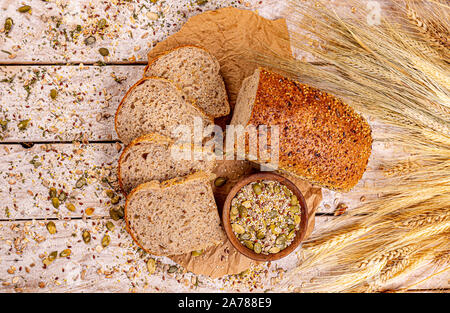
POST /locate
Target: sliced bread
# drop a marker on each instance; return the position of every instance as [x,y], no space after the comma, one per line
[322,139]
[154,157]
[196,71]
[155,105]
[175,216]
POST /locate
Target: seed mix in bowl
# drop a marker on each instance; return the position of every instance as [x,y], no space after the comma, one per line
[265,216]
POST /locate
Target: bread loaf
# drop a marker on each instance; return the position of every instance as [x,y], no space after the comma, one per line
[150,157]
[155,105]
[196,71]
[322,139]
[175,216]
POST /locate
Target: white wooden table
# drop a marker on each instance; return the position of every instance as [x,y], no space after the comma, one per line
[54,142]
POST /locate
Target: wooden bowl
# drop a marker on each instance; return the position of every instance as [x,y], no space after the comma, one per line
[227,224]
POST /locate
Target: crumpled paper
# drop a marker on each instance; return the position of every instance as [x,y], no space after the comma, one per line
[234,37]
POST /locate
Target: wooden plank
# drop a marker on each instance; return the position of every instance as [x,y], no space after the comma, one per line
[120,267]
[84,108]
[55,31]
[28,174]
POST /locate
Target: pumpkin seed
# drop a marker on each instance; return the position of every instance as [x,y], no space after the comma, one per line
[276,189]
[220,181]
[260,234]
[274,250]
[110,226]
[151,266]
[80,182]
[55,202]
[51,227]
[257,189]
[65,253]
[114,214]
[70,207]
[8,25]
[121,211]
[115,199]
[294,209]
[52,256]
[297,219]
[90,40]
[234,211]
[103,51]
[102,23]
[62,196]
[52,192]
[89,211]
[106,240]
[24,9]
[86,236]
[172,269]
[53,94]
[294,200]
[22,125]
[202,2]
[291,234]
[243,211]
[4,124]
[110,193]
[291,226]
[248,244]
[246,236]
[286,191]
[238,228]
[281,240]
[247,204]
[257,247]
[197,252]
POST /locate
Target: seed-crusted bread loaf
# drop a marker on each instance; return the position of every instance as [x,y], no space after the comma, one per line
[322,139]
[157,157]
[175,216]
[155,105]
[196,71]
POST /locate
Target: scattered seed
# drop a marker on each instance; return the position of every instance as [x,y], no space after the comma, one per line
[65,253]
[202,2]
[89,211]
[220,181]
[114,214]
[102,23]
[53,94]
[197,252]
[51,227]
[70,207]
[22,125]
[103,51]
[115,199]
[62,196]
[55,202]
[8,25]
[80,182]
[110,225]
[106,240]
[52,256]
[89,40]
[110,193]
[24,9]
[86,236]
[172,269]
[151,266]
[52,192]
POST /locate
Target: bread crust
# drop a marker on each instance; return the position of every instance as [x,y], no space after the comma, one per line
[144,79]
[160,185]
[322,139]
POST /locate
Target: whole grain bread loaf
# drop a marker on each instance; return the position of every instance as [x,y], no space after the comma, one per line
[196,71]
[175,216]
[155,105]
[157,157]
[322,139]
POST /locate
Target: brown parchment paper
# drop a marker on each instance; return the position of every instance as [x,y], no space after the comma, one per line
[234,37]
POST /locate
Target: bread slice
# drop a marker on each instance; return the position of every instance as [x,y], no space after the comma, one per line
[155,105]
[175,216]
[196,71]
[322,139]
[152,157]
